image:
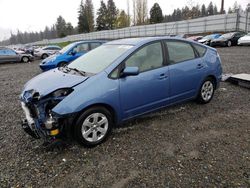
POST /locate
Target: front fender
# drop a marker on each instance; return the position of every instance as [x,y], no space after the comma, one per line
[98,89]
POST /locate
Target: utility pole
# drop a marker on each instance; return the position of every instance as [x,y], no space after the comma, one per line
[222,7]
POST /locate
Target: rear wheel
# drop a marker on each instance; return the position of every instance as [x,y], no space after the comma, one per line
[25,59]
[93,126]
[229,43]
[206,91]
[44,56]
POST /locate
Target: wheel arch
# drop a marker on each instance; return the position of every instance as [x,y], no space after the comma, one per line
[60,62]
[213,78]
[107,106]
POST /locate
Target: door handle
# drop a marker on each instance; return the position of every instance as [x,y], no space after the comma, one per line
[162,76]
[199,66]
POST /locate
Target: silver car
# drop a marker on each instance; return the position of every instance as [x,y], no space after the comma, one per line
[9,55]
[45,52]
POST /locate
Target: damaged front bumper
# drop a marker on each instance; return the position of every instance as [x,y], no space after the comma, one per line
[38,124]
[40,121]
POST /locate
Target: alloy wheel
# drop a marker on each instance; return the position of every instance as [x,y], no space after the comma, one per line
[207,90]
[95,127]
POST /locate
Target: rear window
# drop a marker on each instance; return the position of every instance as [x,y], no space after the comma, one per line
[179,51]
[200,49]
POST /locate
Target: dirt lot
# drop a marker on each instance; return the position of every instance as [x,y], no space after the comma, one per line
[187,145]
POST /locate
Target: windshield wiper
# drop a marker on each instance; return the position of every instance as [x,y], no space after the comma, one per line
[78,71]
[67,69]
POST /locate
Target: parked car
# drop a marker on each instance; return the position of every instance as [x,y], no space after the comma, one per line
[207,39]
[195,38]
[69,53]
[115,82]
[45,52]
[228,39]
[9,55]
[245,40]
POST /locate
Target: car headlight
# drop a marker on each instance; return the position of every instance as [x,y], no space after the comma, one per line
[62,92]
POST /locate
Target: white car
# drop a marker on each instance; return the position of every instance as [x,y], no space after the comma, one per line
[45,52]
[245,40]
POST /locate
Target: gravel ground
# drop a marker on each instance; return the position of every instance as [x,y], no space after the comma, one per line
[187,145]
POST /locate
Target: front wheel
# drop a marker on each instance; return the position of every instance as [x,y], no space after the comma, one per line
[93,126]
[206,91]
[62,64]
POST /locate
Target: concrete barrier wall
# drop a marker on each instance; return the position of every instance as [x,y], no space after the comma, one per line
[209,24]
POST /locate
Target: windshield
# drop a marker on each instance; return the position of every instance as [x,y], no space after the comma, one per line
[66,48]
[227,35]
[208,37]
[98,59]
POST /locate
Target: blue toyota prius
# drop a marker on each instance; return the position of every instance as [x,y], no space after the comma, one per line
[115,82]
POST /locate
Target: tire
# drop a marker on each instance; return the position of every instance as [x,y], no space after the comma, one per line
[62,64]
[44,56]
[93,126]
[25,59]
[229,43]
[206,91]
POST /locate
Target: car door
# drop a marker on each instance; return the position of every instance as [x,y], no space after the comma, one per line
[11,56]
[186,69]
[150,88]
[3,56]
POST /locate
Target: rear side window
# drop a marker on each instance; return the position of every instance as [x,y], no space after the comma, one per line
[10,52]
[54,48]
[200,49]
[179,51]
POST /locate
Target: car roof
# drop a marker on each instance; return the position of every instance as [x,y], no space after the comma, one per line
[86,41]
[140,41]
[52,46]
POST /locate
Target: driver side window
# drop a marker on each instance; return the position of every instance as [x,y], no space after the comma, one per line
[81,48]
[148,58]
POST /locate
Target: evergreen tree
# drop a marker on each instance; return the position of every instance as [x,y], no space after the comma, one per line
[215,10]
[156,14]
[89,13]
[69,29]
[83,26]
[101,20]
[210,9]
[111,14]
[230,11]
[123,20]
[203,10]
[61,27]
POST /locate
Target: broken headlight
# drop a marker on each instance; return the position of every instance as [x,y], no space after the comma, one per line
[62,92]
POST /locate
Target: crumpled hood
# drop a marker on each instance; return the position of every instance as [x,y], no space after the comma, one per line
[52,80]
[203,40]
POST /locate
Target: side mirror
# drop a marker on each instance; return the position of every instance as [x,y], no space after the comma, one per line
[130,71]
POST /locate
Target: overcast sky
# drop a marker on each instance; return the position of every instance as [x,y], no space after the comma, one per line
[34,15]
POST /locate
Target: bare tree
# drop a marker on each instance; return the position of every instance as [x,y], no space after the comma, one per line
[140,8]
